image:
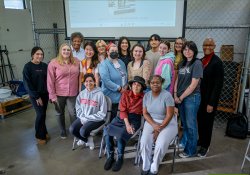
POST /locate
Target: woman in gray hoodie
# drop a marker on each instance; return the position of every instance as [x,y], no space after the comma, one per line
[91,110]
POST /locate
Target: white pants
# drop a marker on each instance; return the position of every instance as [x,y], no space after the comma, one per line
[161,145]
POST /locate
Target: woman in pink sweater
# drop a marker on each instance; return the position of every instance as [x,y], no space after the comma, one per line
[62,83]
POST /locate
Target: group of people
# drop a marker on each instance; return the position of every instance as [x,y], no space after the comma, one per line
[158,85]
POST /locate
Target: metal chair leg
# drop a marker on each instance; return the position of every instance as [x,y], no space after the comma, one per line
[137,156]
[245,157]
[74,142]
[101,147]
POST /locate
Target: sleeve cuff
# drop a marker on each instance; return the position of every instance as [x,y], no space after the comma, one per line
[123,115]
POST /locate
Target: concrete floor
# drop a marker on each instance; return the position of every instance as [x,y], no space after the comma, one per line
[19,153]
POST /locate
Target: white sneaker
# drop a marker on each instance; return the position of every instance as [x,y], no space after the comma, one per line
[90,143]
[80,143]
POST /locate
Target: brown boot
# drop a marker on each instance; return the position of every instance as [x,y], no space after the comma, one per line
[41,142]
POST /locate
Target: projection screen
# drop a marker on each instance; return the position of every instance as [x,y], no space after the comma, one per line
[131,18]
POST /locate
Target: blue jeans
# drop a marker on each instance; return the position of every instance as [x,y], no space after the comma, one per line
[188,112]
[110,146]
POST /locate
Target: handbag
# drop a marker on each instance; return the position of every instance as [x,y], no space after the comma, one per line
[237,126]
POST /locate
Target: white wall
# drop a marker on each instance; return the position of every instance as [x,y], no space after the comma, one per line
[16,34]
[19,38]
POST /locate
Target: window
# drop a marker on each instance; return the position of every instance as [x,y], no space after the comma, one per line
[14,4]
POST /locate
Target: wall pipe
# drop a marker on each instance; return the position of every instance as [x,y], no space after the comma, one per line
[33,25]
[245,75]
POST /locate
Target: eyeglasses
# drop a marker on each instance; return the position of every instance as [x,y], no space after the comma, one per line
[102,46]
[178,43]
[208,46]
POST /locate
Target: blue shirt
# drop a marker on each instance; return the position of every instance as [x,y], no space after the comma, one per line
[112,79]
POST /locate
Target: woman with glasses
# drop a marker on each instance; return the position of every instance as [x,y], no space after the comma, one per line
[178,52]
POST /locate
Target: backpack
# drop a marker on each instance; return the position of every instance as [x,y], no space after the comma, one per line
[237,126]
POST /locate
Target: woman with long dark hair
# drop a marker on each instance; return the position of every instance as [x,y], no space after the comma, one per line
[187,96]
[89,64]
[124,50]
[35,81]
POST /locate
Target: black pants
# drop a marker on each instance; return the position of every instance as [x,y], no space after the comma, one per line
[83,131]
[40,125]
[114,110]
[205,126]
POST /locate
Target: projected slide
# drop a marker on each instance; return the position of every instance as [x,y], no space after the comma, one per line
[132,18]
[122,13]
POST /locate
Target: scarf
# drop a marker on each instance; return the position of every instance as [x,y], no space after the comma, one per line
[206,59]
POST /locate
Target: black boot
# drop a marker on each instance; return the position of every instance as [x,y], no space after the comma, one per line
[118,164]
[109,162]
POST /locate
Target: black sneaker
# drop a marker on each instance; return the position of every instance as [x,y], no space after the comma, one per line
[118,164]
[63,135]
[109,162]
[144,172]
[203,152]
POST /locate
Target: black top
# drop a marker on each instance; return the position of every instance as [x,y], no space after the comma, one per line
[126,59]
[212,82]
[35,79]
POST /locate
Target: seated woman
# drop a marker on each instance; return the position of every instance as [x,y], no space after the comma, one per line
[124,126]
[91,110]
[160,126]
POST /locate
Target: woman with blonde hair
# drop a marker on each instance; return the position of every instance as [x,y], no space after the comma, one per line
[179,42]
[101,48]
[62,84]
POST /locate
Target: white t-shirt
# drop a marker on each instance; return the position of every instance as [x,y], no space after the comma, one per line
[80,55]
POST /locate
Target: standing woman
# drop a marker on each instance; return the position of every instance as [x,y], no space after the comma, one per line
[76,40]
[62,83]
[187,96]
[160,127]
[89,64]
[102,54]
[165,66]
[114,77]
[178,52]
[124,50]
[139,66]
[35,81]
[101,48]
